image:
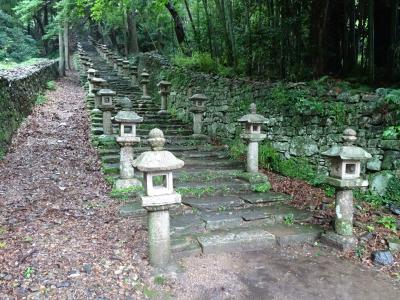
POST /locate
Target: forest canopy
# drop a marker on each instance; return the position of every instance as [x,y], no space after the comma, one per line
[277,39]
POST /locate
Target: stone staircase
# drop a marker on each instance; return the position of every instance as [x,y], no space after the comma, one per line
[220,211]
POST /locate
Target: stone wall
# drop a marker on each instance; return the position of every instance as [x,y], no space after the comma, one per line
[294,130]
[18,91]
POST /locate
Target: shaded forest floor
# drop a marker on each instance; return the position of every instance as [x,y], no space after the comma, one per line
[61,236]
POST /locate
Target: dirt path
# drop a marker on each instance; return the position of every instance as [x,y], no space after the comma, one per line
[60,234]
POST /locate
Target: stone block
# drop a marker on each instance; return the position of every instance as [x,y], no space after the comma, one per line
[289,235]
[303,146]
[256,198]
[236,241]
[340,242]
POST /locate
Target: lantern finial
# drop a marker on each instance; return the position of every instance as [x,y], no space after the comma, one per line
[349,136]
[126,103]
[156,139]
[253,108]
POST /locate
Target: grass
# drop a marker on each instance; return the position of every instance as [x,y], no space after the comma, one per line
[126,194]
[40,99]
[51,85]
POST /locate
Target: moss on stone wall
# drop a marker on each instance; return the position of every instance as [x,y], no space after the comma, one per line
[18,92]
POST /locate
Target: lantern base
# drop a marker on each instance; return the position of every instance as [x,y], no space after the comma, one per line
[162,112]
[127,183]
[340,242]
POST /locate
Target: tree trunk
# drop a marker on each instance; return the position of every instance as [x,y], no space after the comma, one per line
[66,46]
[179,29]
[209,28]
[220,4]
[196,36]
[371,41]
[61,61]
[132,31]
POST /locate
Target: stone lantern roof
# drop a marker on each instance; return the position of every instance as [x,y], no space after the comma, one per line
[198,97]
[98,80]
[164,83]
[253,117]
[106,92]
[157,159]
[144,74]
[348,151]
[126,115]
[91,71]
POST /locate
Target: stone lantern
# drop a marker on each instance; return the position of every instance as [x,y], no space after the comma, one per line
[115,57]
[145,81]
[159,195]
[97,85]
[134,75]
[344,174]
[107,106]
[125,69]
[91,73]
[165,90]
[120,66]
[127,121]
[252,134]
[198,108]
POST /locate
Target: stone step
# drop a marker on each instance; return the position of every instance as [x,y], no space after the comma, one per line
[236,240]
[242,239]
[217,187]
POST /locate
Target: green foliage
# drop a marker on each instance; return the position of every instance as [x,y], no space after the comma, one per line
[261,187]
[393,97]
[391,133]
[202,62]
[28,272]
[388,222]
[196,191]
[360,250]
[296,168]
[237,149]
[40,99]
[15,45]
[393,190]
[51,85]
[160,280]
[126,194]
[268,156]
[338,111]
[288,219]
[329,190]
[369,197]
[370,228]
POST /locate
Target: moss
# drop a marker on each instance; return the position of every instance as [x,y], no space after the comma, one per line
[343,227]
[110,170]
[126,194]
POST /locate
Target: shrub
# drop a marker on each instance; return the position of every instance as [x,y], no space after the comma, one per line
[15,45]
[51,85]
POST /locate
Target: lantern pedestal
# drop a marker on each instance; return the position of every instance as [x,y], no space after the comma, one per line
[126,170]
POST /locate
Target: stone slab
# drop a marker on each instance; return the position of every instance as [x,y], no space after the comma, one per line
[132,209]
[255,198]
[213,203]
[254,214]
[221,220]
[236,241]
[184,246]
[280,211]
[188,223]
[288,235]
[340,242]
